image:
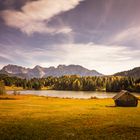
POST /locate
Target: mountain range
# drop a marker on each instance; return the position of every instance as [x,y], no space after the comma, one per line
[60,70]
[39,72]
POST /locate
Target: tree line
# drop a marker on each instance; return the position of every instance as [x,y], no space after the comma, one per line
[76,83]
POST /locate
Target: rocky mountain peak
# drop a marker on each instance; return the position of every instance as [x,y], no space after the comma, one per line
[38,71]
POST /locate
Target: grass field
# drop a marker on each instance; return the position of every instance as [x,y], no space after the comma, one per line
[42,118]
[13,88]
[21,88]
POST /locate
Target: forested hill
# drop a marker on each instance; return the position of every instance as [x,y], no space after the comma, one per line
[39,72]
[74,82]
[135,73]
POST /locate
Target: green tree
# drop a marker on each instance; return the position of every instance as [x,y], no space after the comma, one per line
[36,86]
[76,85]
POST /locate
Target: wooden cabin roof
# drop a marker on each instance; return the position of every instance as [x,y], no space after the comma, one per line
[122,93]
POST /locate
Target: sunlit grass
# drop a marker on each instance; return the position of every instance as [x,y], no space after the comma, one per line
[41,118]
[21,88]
[13,88]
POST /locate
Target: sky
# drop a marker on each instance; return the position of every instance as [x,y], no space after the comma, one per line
[102,35]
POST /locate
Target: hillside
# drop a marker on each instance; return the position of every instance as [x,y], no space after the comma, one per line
[135,73]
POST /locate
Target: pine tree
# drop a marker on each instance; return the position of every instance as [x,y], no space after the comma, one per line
[76,85]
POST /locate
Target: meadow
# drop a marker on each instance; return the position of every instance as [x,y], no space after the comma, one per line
[28,117]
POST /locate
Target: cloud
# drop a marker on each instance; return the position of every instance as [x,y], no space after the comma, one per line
[98,22]
[126,35]
[34,16]
[4,60]
[105,59]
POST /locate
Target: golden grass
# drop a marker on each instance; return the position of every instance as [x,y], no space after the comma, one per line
[21,88]
[13,88]
[42,118]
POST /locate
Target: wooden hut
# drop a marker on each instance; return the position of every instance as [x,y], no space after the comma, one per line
[125,99]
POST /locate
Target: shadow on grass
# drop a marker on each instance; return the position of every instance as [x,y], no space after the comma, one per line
[110,106]
[121,106]
[7,98]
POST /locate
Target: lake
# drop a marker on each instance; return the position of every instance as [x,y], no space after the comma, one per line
[70,94]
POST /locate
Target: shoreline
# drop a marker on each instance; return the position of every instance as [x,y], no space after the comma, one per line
[54,97]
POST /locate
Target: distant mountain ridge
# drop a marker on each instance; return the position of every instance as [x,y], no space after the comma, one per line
[135,73]
[39,72]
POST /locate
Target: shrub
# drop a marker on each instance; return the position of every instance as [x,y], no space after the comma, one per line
[2,88]
[16,93]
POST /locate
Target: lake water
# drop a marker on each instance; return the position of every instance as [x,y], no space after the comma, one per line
[69,94]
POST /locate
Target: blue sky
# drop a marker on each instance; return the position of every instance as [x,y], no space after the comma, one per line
[97,34]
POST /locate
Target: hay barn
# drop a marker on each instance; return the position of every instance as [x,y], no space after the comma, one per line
[125,99]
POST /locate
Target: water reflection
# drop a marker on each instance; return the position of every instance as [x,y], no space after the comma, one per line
[68,94]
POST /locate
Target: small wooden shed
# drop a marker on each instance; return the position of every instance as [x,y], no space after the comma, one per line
[125,99]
